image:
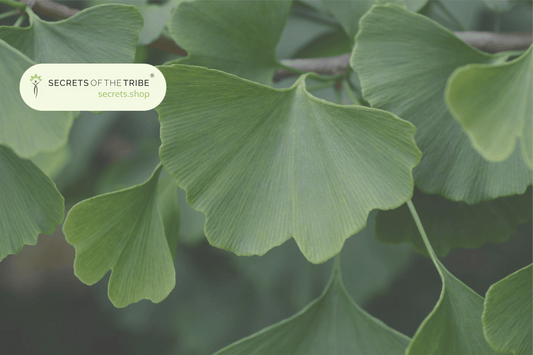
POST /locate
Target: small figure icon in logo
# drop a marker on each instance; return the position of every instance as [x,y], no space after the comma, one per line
[35,80]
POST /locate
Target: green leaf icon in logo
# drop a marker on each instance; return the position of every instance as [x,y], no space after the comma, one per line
[35,81]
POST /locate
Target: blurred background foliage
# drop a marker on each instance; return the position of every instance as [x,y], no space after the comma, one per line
[219,297]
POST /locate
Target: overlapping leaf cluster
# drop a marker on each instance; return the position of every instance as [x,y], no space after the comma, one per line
[265,165]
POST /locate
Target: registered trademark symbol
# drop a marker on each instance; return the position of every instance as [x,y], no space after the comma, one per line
[152,75]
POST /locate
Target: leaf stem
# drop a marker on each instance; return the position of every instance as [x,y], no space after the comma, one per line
[350,92]
[422,231]
[19,20]
[338,92]
[8,14]
[450,15]
[14,4]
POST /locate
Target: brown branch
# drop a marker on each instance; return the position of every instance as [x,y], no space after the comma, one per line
[484,41]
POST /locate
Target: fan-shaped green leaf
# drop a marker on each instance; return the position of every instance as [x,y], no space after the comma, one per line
[238,37]
[23,129]
[454,224]
[268,164]
[396,48]
[349,12]
[333,324]
[167,196]
[99,34]
[123,231]
[492,103]
[507,317]
[454,325]
[29,203]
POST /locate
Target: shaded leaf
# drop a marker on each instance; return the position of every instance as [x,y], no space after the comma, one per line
[348,12]
[238,37]
[29,203]
[507,317]
[501,5]
[268,164]
[333,324]
[493,103]
[452,224]
[123,231]
[82,38]
[454,325]
[167,195]
[25,130]
[395,48]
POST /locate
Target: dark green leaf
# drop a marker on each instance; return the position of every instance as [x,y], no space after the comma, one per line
[452,224]
[268,164]
[29,203]
[238,37]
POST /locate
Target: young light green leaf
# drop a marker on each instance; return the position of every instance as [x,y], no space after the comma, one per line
[493,103]
[99,34]
[123,231]
[25,130]
[29,203]
[268,164]
[454,325]
[333,324]
[238,37]
[349,12]
[395,48]
[507,317]
[452,224]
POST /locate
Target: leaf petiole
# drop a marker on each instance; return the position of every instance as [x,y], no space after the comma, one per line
[15,4]
[8,14]
[350,93]
[19,21]
[422,231]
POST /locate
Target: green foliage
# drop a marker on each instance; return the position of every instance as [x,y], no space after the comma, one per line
[30,203]
[274,163]
[123,231]
[241,41]
[507,317]
[25,130]
[332,324]
[100,34]
[454,326]
[452,224]
[387,58]
[493,104]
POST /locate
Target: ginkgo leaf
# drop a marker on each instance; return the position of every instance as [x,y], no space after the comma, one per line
[395,48]
[29,203]
[415,5]
[238,37]
[155,16]
[167,195]
[266,164]
[493,103]
[454,325]
[99,34]
[25,130]
[123,231]
[349,12]
[507,317]
[451,224]
[333,324]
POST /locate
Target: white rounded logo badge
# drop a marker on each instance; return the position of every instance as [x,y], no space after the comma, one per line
[93,87]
